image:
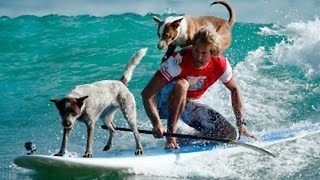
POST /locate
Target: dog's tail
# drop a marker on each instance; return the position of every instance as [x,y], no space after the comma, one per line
[134,61]
[232,15]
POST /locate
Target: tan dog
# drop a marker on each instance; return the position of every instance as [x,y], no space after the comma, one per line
[179,31]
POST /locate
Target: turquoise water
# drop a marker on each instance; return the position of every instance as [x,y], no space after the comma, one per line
[43,57]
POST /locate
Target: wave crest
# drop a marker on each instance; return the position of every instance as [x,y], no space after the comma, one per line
[301,48]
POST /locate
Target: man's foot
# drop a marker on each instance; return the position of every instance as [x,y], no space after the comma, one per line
[171,143]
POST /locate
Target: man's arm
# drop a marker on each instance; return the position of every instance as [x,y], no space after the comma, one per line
[149,102]
[238,107]
[236,99]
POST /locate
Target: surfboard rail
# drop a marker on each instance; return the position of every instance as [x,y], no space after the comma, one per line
[108,162]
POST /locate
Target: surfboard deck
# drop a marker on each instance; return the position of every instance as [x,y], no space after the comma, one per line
[125,160]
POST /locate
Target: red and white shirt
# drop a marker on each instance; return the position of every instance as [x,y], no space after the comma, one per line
[199,79]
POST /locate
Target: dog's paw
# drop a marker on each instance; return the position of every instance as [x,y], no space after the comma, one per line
[177,59]
[138,152]
[107,147]
[164,58]
[87,155]
[59,154]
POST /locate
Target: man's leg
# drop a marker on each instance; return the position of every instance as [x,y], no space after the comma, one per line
[177,102]
[208,121]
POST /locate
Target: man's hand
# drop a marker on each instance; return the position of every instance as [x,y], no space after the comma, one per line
[244,131]
[171,143]
[158,131]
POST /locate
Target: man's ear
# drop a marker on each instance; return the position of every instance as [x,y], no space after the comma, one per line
[157,20]
[80,101]
[215,52]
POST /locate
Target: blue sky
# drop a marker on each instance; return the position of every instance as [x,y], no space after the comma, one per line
[261,11]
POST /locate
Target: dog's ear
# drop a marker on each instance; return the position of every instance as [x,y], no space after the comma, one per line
[176,23]
[56,101]
[80,101]
[157,20]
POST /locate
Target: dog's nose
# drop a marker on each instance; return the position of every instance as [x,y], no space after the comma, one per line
[66,123]
[162,44]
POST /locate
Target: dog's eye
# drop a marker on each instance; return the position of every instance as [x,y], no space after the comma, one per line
[74,113]
[167,36]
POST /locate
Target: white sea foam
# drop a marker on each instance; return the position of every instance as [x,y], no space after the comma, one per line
[301,49]
[274,30]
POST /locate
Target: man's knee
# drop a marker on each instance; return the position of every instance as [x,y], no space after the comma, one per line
[181,84]
[232,134]
[228,132]
[146,95]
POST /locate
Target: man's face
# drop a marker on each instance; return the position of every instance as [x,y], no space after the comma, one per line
[201,55]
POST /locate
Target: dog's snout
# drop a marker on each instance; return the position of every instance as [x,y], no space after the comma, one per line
[66,123]
[161,45]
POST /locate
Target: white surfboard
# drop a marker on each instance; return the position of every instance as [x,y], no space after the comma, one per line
[113,161]
[125,160]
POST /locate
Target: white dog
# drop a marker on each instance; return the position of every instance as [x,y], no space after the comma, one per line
[88,102]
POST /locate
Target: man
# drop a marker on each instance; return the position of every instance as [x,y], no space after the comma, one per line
[176,87]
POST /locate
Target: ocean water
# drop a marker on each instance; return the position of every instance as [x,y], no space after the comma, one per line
[47,49]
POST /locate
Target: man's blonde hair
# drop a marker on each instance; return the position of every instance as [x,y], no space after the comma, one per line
[208,35]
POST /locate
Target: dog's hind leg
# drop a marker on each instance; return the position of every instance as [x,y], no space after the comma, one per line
[128,107]
[111,128]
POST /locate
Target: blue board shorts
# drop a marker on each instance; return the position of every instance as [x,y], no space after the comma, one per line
[201,117]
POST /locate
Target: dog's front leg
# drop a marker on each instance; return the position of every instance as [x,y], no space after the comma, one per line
[65,139]
[169,52]
[90,132]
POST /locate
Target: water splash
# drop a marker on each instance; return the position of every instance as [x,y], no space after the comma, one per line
[301,48]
